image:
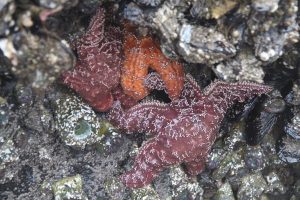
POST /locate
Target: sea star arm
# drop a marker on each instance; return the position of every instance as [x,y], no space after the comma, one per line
[153,158]
[170,71]
[191,89]
[223,95]
[73,79]
[145,117]
[153,81]
[195,167]
[126,101]
[95,30]
[142,54]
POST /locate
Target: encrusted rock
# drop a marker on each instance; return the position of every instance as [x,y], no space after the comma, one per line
[236,136]
[224,193]
[3,3]
[182,187]
[146,193]
[244,66]
[7,9]
[296,190]
[212,8]
[149,2]
[255,158]
[274,183]
[290,150]
[293,127]
[252,186]
[215,157]
[265,6]
[34,56]
[115,188]
[295,95]
[8,152]
[233,164]
[274,29]
[7,78]
[135,14]
[198,44]
[4,112]
[166,21]
[69,188]
[111,140]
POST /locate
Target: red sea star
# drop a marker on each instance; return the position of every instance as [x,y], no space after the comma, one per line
[96,75]
[183,130]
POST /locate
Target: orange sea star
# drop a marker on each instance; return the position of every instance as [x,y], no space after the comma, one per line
[142,54]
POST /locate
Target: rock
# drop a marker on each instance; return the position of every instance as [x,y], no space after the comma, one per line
[289,151]
[212,8]
[275,185]
[69,188]
[198,44]
[111,140]
[292,128]
[255,158]
[7,10]
[295,100]
[146,193]
[4,112]
[233,164]
[149,2]
[182,187]
[267,27]
[224,193]
[244,66]
[7,78]
[265,6]
[252,186]
[35,56]
[8,153]
[115,189]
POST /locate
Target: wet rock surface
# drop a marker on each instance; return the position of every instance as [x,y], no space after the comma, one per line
[55,146]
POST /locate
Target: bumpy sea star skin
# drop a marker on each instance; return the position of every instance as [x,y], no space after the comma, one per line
[142,54]
[97,71]
[183,130]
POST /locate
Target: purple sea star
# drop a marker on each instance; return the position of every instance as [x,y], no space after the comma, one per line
[184,130]
[98,68]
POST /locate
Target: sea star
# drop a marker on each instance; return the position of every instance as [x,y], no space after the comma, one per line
[142,54]
[98,68]
[184,130]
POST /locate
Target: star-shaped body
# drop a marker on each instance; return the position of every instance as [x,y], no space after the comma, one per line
[142,54]
[98,68]
[184,130]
